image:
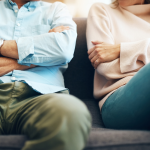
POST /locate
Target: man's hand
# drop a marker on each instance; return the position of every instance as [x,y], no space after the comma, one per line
[59,29]
[103,52]
[8,64]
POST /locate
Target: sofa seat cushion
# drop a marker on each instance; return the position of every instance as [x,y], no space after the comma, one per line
[93,107]
[12,142]
[106,139]
[99,139]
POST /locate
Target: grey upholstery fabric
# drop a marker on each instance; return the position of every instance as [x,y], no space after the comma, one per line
[104,139]
[79,80]
[12,142]
[95,112]
[79,76]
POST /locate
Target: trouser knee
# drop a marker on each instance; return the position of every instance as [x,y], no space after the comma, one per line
[76,121]
[61,122]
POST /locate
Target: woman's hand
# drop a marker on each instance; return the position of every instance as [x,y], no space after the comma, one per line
[103,52]
[59,29]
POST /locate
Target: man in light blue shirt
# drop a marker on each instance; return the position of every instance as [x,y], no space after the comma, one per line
[37,40]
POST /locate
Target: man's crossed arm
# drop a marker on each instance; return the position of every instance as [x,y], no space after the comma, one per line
[9,55]
[8,64]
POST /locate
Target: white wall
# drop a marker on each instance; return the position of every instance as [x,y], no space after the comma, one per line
[103,1]
[80,8]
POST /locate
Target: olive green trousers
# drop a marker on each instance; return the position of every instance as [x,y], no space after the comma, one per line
[51,122]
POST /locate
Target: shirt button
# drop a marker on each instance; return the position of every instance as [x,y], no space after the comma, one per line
[16,11]
[13,78]
[18,24]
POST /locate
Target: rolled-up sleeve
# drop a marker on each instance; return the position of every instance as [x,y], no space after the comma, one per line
[50,49]
[25,48]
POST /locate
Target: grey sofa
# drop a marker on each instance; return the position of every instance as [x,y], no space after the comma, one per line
[79,79]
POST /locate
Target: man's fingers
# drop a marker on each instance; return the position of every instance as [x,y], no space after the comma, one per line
[50,31]
[65,28]
[96,42]
[59,29]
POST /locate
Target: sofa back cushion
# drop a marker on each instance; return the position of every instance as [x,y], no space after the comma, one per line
[79,76]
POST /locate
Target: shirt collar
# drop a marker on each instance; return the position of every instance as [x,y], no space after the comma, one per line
[10,3]
[34,4]
[30,5]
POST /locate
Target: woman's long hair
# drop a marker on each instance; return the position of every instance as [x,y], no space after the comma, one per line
[115,2]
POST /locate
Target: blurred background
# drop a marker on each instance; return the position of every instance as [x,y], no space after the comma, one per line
[79,8]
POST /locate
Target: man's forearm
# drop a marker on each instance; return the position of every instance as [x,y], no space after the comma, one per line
[9,49]
[7,65]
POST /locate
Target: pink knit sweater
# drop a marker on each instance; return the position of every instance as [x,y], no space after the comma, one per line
[130,27]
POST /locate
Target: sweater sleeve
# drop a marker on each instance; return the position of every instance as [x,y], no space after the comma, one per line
[98,26]
[134,55]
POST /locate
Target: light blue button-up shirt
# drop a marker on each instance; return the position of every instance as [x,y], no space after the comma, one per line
[29,26]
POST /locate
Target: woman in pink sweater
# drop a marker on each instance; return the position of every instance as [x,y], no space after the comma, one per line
[118,37]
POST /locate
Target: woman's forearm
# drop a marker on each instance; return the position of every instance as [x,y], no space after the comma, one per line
[103,52]
[7,65]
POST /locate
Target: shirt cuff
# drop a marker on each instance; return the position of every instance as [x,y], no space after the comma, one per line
[8,74]
[25,48]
